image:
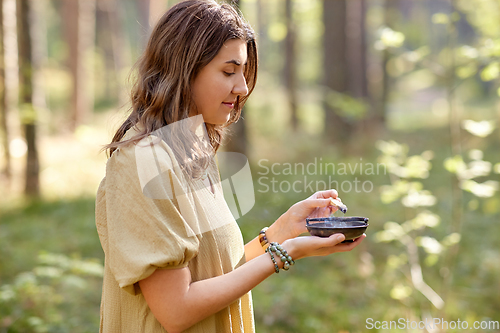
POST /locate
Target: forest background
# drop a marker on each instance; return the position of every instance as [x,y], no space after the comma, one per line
[398,98]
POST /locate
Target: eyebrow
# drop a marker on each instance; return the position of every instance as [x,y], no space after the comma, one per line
[233,61]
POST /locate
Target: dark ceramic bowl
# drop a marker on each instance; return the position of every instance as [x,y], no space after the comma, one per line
[352,226]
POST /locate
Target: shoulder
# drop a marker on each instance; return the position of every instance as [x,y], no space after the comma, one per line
[148,151]
[147,165]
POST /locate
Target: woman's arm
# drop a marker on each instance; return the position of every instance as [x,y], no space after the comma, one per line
[178,303]
[293,223]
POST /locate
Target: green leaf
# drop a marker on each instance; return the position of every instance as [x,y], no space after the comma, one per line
[417,167]
[491,206]
[391,38]
[418,199]
[440,18]
[391,148]
[346,106]
[425,219]
[455,164]
[490,72]
[430,245]
[400,292]
[431,259]
[496,168]
[468,52]
[466,71]
[389,194]
[451,239]
[277,31]
[476,154]
[482,190]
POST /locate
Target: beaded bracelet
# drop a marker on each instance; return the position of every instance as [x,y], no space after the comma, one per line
[263,239]
[276,267]
[282,254]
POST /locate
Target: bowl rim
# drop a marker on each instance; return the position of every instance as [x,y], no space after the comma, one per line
[323,226]
[338,219]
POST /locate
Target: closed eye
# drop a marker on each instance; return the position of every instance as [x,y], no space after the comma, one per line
[229,74]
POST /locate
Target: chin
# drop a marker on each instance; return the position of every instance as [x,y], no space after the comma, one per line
[217,122]
[220,120]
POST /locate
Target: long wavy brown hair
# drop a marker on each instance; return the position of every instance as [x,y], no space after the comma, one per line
[186,38]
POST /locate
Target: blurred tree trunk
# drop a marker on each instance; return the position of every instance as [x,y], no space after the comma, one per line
[290,63]
[357,59]
[335,67]
[115,46]
[390,17]
[150,12]
[6,169]
[70,17]
[237,140]
[455,118]
[39,51]
[104,42]
[28,113]
[79,23]
[345,65]
[356,48]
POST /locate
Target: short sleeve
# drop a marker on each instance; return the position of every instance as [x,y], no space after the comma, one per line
[145,229]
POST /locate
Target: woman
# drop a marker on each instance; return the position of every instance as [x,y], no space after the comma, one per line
[174,255]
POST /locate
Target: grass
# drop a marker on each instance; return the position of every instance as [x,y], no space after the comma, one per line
[66,300]
[56,226]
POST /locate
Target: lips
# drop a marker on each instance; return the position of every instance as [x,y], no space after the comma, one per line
[229,104]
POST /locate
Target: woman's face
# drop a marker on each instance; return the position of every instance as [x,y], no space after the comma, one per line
[219,83]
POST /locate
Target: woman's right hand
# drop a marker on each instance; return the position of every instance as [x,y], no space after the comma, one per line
[311,246]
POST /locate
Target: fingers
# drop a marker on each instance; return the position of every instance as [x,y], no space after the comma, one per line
[326,194]
[338,204]
[322,199]
[311,246]
[335,239]
[345,247]
[332,204]
[336,245]
[328,243]
[317,203]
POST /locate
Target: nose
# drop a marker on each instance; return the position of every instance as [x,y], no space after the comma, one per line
[241,88]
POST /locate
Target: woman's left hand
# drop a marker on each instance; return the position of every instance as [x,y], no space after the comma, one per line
[293,222]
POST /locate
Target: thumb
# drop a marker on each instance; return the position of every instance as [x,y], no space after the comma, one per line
[336,239]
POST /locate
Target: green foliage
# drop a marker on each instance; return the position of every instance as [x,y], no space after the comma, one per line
[413,232]
[47,298]
[346,106]
[42,290]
